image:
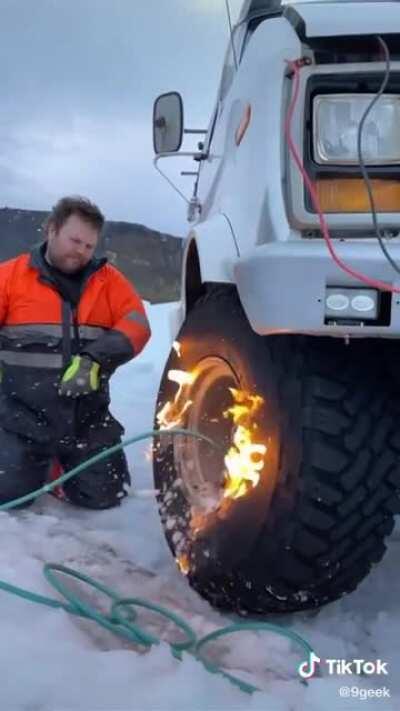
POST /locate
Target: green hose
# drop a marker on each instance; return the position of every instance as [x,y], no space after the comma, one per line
[121,618]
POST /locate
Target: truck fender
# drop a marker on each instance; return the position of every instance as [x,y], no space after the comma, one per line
[210,254]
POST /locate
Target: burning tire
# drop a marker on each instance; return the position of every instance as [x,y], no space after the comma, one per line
[297,513]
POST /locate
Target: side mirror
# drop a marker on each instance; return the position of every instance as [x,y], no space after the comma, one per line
[168,123]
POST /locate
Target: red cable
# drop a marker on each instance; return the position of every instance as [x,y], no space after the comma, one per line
[382,285]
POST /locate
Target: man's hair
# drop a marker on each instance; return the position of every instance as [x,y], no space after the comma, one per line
[74,205]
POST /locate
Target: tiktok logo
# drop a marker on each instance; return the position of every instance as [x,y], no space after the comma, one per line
[308,669]
[341,667]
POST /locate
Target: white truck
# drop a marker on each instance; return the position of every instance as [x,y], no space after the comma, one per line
[286,351]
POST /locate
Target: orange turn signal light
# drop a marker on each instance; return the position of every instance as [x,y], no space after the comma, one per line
[244,124]
[350,195]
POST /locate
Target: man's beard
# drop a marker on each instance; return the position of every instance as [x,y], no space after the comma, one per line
[63,263]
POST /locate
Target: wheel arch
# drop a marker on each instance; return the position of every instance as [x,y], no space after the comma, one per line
[209,258]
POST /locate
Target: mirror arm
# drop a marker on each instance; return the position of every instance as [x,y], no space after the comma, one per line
[194,130]
[184,154]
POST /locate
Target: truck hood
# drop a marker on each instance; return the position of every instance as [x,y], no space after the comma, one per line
[334,19]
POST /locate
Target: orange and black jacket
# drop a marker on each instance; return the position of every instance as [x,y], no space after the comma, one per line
[40,330]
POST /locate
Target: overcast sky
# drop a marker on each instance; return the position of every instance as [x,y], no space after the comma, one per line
[78,79]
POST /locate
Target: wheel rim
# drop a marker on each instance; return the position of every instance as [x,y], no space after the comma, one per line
[201,467]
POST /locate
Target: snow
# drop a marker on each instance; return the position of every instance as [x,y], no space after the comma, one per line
[52,661]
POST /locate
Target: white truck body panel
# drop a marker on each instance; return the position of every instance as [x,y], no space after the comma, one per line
[216,248]
[245,182]
[247,232]
[330,19]
[282,287]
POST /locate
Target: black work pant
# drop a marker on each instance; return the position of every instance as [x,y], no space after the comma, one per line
[25,466]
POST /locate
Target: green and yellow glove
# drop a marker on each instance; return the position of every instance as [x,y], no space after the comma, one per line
[82,377]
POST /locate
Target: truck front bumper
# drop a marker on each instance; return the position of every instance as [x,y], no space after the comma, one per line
[282,286]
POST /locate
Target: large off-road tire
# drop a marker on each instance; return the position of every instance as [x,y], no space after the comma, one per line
[310,531]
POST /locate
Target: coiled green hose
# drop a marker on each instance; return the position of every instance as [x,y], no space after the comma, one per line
[121,618]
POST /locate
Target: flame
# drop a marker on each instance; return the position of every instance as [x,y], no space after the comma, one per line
[183,563]
[177,348]
[245,459]
[198,521]
[182,377]
[171,415]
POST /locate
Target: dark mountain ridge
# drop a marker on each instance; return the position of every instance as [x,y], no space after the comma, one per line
[151,260]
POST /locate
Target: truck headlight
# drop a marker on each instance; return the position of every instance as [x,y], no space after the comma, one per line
[336,118]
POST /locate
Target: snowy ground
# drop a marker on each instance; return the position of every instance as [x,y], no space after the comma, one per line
[51,661]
